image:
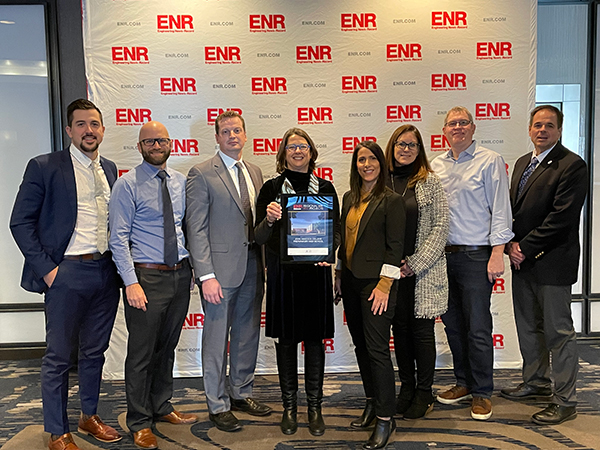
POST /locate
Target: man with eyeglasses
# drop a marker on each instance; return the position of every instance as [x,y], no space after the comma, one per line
[228,266]
[547,193]
[148,245]
[59,221]
[476,185]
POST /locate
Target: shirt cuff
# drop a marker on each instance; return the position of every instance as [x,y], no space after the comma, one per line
[208,276]
[501,237]
[387,270]
[129,278]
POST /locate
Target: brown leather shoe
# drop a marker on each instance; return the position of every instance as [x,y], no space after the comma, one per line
[179,418]
[98,429]
[65,442]
[145,439]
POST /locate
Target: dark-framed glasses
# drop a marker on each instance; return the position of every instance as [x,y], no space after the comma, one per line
[457,123]
[403,145]
[163,142]
[294,147]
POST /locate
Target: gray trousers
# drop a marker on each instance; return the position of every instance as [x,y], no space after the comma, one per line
[545,327]
[234,326]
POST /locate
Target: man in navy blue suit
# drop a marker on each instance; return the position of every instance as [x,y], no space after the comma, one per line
[59,221]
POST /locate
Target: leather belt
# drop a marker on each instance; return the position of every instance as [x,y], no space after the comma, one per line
[88,256]
[465,248]
[177,266]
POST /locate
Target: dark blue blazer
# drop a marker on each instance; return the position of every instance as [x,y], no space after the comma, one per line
[45,213]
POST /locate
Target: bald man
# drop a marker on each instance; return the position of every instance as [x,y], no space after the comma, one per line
[146,213]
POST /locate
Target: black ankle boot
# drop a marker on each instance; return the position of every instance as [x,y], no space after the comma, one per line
[314,370]
[287,366]
[421,405]
[405,399]
[367,418]
[381,434]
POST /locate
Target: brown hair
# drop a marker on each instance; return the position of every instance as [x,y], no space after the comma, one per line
[80,103]
[422,168]
[554,109]
[229,115]
[356,180]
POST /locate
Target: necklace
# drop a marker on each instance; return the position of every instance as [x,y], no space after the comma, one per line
[394,186]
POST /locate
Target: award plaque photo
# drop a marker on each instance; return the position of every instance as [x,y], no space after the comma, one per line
[307,228]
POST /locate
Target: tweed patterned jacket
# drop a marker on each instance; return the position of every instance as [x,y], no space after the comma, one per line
[429,260]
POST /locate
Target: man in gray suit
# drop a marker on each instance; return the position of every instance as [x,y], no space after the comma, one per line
[221,196]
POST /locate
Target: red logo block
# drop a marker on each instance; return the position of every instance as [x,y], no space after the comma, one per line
[494,50]
[194,321]
[404,113]
[448,82]
[260,23]
[126,116]
[167,23]
[313,54]
[213,113]
[185,147]
[499,286]
[439,143]
[129,55]
[404,52]
[448,19]
[350,142]
[359,22]
[265,146]
[359,84]
[492,111]
[313,116]
[498,341]
[273,85]
[324,172]
[178,86]
[222,55]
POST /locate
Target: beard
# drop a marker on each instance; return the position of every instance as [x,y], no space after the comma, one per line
[156,159]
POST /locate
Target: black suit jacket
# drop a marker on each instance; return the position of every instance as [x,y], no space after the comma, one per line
[380,238]
[546,216]
[45,213]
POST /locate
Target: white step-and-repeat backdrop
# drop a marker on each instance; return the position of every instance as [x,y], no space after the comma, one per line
[344,70]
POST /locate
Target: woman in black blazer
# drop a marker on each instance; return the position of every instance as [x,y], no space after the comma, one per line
[371,250]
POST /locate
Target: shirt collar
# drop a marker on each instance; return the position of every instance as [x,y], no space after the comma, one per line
[470,150]
[80,156]
[542,155]
[228,160]
[152,171]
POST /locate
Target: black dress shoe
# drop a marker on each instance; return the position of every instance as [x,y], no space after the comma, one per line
[524,392]
[225,421]
[381,434]
[250,406]
[367,418]
[554,414]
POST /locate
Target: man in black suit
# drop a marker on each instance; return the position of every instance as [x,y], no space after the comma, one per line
[59,221]
[547,193]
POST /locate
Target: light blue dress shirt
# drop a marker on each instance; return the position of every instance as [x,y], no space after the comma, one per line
[476,185]
[136,218]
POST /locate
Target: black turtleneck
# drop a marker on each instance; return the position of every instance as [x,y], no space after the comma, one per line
[299,180]
[399,180]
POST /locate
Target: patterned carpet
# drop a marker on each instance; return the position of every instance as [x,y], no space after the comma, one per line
[447,427]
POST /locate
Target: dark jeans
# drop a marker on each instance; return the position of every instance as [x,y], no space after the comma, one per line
[469,321]
[414,341]
[153,336]
[80,306]
[371,338]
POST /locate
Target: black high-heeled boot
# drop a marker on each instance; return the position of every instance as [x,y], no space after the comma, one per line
[314,370]
[381,434]
[287,366]
[367,418]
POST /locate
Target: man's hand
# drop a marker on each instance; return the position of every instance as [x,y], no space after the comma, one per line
[136,297]
[495,267]
[50,276]
[211,291]
[515,255]
[380,301]
[273,212]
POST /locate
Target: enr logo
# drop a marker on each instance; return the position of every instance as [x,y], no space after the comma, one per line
[349,142]
[177,86]
[404,52]
[129,55]
[324,172]
[222,55]
[260,23]
[448,19]
[407,113]
[320,115]
[313,54]
[494,50]
[448,82]
[439,143]
[126,116]
[194,321]
[273,85]
[499,286]
[492,111]
[213,113]
[167,23]
[265,146]
[359,22]
[360,84]
[185,147]
[498,341]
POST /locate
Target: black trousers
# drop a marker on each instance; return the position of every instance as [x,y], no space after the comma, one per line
[414,341]
[371,338]
[153,336]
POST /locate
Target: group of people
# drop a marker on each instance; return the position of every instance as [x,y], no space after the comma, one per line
[415,241]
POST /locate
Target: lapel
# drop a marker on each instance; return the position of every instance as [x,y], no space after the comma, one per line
[223,174]
[68,173]
[539,170]
[373,205]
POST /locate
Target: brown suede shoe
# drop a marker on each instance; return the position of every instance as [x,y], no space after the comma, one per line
[65,442]
[98,429]
[179,418]
[145,439]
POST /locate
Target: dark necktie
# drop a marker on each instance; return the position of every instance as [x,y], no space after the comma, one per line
[534,163]
[245,196]
[170,237]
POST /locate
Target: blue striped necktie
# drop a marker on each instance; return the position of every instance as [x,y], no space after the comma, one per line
[534,163]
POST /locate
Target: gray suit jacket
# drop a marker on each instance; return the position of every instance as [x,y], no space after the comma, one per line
[215,222]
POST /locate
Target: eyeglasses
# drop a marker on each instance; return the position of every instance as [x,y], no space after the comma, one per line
[410,145]
[294,147]
[163,142]
[457,123]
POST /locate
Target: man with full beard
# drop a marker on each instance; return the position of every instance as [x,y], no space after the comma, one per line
[59,221]
[146,214]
